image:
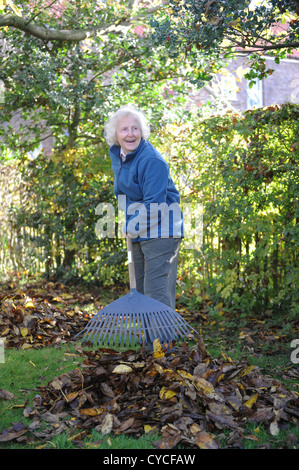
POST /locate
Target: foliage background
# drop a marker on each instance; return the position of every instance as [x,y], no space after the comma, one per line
[241,167]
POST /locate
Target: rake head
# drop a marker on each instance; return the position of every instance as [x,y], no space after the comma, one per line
[136,318]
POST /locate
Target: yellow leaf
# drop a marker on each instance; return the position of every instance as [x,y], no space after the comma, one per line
[162,391]
[166,394]
[29,304]
[251,400]
[66,296]
[24,332]
[195,429]
[220,377]
[71,396]
[185,374]
[247,370]
[207,388]
[91,411]
[122,369]
[7,330]
[226,357]
[147,428]
[158,351]
[156,366]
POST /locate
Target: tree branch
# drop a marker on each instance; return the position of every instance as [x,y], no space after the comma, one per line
[41,32]
[260,47]
[27,26]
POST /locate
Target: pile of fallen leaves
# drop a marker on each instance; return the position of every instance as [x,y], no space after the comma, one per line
[182,394]
[42,315]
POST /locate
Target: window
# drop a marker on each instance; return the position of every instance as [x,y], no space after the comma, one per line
[255,95]
[229,87]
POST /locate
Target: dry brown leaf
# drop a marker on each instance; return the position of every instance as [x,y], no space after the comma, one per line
[107,390]
[11,435]
[91,411]
[107,424]
[56,383]
[71,396]
[169,442]
[205,440]
[6,395]
[207,389]
[125,425]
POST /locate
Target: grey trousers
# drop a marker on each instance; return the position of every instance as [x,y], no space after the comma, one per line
[156,265]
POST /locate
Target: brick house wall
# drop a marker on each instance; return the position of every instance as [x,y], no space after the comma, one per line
[280,87]
[283,84]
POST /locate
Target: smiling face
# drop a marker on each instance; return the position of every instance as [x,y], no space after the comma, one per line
[128,133]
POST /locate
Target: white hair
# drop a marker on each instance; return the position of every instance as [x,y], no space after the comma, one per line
[111,124]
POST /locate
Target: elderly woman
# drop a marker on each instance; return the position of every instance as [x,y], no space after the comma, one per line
[153,217]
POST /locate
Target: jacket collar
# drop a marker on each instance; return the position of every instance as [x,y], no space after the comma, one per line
[115,150]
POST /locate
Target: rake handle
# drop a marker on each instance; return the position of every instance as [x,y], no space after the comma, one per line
[131,263]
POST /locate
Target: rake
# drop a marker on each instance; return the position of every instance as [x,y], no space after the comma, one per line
[136,318]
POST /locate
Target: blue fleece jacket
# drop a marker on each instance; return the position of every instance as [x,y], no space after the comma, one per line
[151,199]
